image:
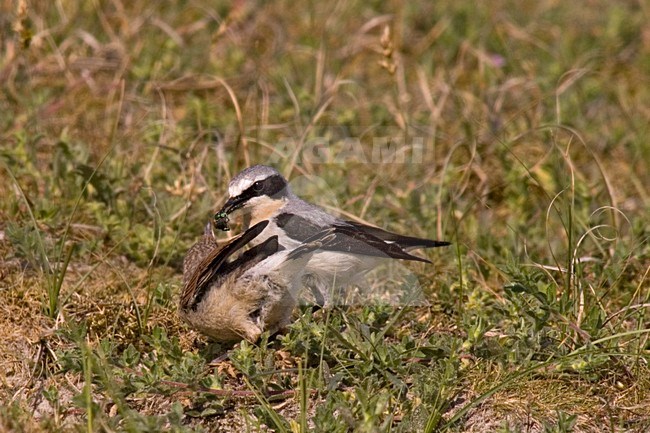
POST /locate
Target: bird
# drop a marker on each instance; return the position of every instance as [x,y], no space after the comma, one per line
[231,299]
[261,193]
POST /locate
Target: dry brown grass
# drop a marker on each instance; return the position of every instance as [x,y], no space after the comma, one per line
[120,125]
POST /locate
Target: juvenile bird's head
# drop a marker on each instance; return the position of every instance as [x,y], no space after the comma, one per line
[258,190]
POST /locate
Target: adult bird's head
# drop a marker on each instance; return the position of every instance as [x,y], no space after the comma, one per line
[258,190]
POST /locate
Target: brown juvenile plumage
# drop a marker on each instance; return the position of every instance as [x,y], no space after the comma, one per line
[198,252]
[231,299]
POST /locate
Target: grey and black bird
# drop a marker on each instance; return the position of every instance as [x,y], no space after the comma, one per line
[261,193]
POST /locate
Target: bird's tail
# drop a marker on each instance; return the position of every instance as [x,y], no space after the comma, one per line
[409,242]
[405,242]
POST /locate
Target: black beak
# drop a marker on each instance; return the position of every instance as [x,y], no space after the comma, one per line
[221,218]
[232,205]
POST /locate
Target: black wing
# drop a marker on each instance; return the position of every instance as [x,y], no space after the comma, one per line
[401,240]
[216,264]
[253,256]
[318,241]
[347,238]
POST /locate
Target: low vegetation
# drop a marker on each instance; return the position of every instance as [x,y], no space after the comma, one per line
[519,131]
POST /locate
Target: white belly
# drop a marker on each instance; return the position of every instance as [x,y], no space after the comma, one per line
[326,271]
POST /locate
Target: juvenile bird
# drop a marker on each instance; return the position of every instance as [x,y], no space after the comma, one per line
[230,299]
[263,194]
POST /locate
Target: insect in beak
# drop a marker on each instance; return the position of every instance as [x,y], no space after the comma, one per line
[221,221]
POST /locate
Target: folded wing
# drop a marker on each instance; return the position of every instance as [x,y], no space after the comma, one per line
[348,238]
[216,264]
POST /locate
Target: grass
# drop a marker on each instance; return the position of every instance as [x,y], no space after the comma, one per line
[519,132]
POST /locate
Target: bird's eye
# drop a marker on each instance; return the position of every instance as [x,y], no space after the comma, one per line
[258,186]
[255,315]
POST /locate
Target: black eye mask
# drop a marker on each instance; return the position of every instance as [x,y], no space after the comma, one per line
[273,186]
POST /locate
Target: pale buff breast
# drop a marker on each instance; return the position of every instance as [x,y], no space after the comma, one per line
[224,314]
